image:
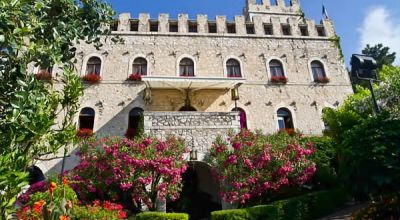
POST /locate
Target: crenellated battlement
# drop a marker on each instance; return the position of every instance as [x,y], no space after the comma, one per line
[259,25]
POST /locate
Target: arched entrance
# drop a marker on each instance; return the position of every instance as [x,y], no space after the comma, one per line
[199,195]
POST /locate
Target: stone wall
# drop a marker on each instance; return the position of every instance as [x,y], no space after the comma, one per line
[198,129]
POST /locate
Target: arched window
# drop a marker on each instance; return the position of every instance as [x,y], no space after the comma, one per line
[86,118]
[318,70]
[243,118]
[276,68]
[139,66]
[186,67]
[93,66]
[134,122]
[233,68]
[285,120]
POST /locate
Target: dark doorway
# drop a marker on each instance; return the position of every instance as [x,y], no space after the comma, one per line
[194,199]
[187,108]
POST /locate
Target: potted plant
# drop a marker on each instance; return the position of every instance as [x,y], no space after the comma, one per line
[91,78]
[279,79]
[134,77]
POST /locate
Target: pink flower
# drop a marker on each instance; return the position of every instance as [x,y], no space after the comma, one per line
[232,159]
[237,145]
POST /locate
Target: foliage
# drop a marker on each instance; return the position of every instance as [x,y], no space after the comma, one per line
[309,206]
[253,163]
[143,170]
[381,54]
[92,78]
[135,77]
[389,91]
[387,208]
[370,164]
[161,216]
[52,203]
[43,33]
[99,211]
[336,41]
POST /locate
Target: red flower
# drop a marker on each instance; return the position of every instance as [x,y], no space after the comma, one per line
[91,78]
[279,79]
[322,79]
[84,133]
[64,217]
[135,77]
[52,187]
[122,214]
[37,206]
[65,181]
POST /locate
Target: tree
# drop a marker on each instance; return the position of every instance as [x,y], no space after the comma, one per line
[381,54]
[42,33]
[253,163]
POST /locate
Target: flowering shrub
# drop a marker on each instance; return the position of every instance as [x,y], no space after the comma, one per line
[91,78]
[135,77]
[322,79]
[43,75]
[84,133]
[49,201]
[279,79]
[100,211]
[145,169]
[253,163]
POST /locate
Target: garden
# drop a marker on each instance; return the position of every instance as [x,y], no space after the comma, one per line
[261,176]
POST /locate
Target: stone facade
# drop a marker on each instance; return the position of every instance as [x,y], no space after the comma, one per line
[290,39]
[198,129]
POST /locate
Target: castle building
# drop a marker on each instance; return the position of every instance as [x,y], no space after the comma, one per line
[268,69]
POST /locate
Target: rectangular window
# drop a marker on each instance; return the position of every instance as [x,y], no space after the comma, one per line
[173,26]
[153,26]
[303,30]
[250,28]
[231,28]
[286,29]
[192,27]
[281,123]
[320,30]
[134,25]
[212,27]
[268,29]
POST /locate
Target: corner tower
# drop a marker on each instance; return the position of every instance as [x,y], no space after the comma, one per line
[268,8]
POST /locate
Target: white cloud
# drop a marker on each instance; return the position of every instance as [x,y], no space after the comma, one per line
[380,25]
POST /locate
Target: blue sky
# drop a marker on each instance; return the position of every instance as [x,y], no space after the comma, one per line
[357,22]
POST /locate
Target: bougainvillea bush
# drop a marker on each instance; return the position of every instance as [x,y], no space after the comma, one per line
[131,172]
[251,163]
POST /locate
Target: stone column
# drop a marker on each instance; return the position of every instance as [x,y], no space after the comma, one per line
[123,22]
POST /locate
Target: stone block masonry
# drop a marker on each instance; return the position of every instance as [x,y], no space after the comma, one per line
[198,129]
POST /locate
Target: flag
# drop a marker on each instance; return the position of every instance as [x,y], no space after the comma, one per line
[325,12]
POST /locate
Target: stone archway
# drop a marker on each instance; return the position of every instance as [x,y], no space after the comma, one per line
[199,195]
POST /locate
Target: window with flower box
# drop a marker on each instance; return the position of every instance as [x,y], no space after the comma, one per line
[233,68]
[86,118]
[93,66]
[186,67]
[139,66]
[277,72]
[318,72]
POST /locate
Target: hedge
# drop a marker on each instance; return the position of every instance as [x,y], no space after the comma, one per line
[309,206]
[161,216]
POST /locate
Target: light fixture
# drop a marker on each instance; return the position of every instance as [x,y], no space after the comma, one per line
[235,93]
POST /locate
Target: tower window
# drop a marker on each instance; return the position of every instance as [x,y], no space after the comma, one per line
[268,29]
[321,31]
[250,28]
[276,68]
[231,28]
[192,26]
[318,70]
[286,29]
[212,27]
[173,26]
[153,26]
[303,30]
[134,25]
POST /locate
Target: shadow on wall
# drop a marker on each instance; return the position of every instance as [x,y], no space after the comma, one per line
[117,126]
